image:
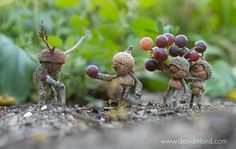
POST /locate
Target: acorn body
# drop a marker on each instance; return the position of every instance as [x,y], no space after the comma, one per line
[51,63]
[126,81]
[203,71]
[197,87]
[175,84]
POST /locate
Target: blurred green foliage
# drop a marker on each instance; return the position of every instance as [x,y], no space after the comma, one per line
[113,26]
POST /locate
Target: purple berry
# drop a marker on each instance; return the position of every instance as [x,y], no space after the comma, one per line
[171,38]
[160,54]
[183,51]
[173,50]
[181,41]
[92,71]
[194,56]
[161,41]
[151,65]
[200,46]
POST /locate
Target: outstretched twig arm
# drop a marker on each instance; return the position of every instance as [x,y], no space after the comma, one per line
[78,43]
[138,86]
[163,68]
[106,77]
[189,79]
[185,86]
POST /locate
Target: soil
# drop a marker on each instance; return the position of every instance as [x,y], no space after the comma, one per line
[140,125]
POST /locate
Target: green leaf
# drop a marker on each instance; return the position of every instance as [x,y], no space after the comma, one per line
[15,70]
[55,41]
[214,52]
[109,11]
[144,4]
[144,27]
[222,80]
[66,3]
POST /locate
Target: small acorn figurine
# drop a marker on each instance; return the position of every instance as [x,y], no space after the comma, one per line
[178,70]
[201,70]
[51,60]
[123,64]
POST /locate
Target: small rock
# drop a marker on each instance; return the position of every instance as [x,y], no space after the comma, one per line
[103,119]
[76,106]
[44,107]
[60,109]
[13,121]
[70,117]
[28,114]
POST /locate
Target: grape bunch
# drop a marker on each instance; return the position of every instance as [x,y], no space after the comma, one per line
[167,45]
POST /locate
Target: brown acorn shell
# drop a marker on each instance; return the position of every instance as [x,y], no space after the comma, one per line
[57,56]
[125,59]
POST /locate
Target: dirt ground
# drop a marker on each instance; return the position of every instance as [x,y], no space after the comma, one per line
[141,125]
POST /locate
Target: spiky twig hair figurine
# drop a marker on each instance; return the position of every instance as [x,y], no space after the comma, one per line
[123,64]
[51,60]
[201,70]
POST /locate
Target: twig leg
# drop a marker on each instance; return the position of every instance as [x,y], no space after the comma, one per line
[174,101]
[199,103]
[58,85]
[42,94]
[63,94]
[166,94]
[53,94]
[126,93]
[191,101]
[121,94]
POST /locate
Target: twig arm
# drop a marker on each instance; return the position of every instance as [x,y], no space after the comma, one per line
[190,79]
[105,77]
[163,68]
[82,39]
[138,86]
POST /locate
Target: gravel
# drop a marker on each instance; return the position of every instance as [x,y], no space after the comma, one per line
[138,126]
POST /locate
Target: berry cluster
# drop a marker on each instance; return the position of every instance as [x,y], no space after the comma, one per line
[166,45]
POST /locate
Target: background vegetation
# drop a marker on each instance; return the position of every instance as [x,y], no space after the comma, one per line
[113,26]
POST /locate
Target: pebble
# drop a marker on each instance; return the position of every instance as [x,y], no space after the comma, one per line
[44,107]
[60,109]
[70,117]
[28,114]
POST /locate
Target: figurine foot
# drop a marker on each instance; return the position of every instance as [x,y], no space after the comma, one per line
[54,102]
[199,107]
[41,102]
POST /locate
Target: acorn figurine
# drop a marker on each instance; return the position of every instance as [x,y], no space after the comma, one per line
[51,60]
[123,64]
[201,70]
[178,70]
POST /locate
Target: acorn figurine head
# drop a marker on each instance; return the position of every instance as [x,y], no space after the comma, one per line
[201,69]
[123,62]
[179,67]
[52,59]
